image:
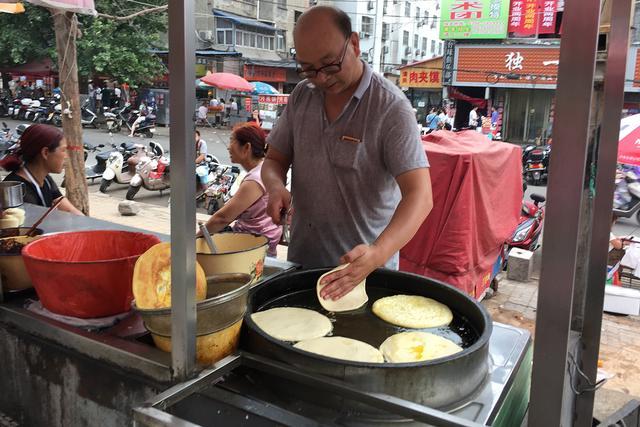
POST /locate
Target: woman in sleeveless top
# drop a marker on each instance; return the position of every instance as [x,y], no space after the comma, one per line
[42,151]
[248,207]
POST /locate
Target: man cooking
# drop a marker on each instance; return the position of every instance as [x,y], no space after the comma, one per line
[361,186]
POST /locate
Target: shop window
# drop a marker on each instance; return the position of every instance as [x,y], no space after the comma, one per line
[271,43]
[433,47]
[239,38]
[223,23]
[440,48]
[252,40]
[417,13]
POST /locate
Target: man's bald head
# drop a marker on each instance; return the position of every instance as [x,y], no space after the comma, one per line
[320,16]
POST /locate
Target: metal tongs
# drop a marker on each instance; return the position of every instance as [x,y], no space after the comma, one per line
[284,215]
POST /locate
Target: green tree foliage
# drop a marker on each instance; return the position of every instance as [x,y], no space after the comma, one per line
[108,48]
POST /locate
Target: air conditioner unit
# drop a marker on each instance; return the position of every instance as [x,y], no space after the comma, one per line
[206,35]
[396,1]
[420,23]
[417,52]
[407,50]
[370,5]
[385,49]
[364,35]
[388,69]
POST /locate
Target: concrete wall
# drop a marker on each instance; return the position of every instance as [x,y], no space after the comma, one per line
[42,384]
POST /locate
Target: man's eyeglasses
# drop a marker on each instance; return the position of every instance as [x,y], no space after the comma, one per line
[334,68]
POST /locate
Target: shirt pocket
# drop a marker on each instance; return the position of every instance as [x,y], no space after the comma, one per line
[345,154]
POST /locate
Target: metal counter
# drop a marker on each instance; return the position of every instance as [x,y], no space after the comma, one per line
[67,375]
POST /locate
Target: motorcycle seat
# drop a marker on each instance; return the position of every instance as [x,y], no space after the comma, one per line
[102,156]
[129,146]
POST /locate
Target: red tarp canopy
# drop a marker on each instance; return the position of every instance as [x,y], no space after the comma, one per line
[477,197]
[39,68]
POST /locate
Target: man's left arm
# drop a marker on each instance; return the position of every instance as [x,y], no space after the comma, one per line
[416,203]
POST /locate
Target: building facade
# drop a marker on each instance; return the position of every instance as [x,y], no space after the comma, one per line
[261,32]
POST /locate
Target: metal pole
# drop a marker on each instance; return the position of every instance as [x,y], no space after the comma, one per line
[603,204]
[377,37]
[566,182]
[183,209]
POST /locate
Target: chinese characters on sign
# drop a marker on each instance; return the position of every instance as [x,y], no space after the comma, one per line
[529,17]
[273,99]
[547,23]
[474,19]
[513,61]
[265,74]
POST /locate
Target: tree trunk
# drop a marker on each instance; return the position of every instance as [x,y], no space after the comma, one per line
[66,30]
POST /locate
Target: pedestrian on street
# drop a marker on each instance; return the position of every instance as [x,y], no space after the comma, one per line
[494,118]
[361,186]
[12,87]
[117,95]
[432,120]
[474,118]
[91,92]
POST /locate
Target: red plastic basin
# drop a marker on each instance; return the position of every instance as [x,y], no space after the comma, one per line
[86,274]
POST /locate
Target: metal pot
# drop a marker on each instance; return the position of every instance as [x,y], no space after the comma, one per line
[11,194]
[225,305]
[443,383]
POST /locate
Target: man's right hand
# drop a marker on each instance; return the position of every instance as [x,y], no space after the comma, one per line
[279,202]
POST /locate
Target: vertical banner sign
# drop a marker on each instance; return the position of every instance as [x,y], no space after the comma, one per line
[516,16]
[474,19]
[529,22]
[547,16]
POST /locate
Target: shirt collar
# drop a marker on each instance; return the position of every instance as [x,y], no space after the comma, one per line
[364,82]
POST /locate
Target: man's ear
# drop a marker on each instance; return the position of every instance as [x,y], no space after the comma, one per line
[355,41]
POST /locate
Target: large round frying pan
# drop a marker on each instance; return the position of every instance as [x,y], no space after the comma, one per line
[443,383]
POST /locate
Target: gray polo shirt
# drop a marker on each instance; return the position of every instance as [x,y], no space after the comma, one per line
[344,191]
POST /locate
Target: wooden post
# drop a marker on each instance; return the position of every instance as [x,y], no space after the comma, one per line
[67,31]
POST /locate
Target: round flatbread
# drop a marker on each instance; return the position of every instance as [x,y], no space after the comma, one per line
[292,324]
[412,311]
[355,299]
[417,346]
[342,348]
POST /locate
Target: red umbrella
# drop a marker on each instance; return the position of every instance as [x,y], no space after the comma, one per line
[629,141]
[227,81]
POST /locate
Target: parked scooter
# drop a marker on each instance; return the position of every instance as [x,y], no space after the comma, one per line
[527,233]
[88,117]
[147,127]
[96,170]
[121,164]
[152,173]
[535,163]
[116,118]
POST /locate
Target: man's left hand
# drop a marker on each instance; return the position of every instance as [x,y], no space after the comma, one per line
[363,260]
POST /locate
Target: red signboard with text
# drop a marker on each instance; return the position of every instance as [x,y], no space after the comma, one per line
[265,74]
[530,17]
[273,99]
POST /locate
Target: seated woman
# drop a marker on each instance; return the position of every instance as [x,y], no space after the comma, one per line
[42,151]
[248,207]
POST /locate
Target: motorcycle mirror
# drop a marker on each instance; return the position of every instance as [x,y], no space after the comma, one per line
[100,145]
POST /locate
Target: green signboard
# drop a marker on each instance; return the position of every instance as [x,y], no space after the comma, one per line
[474,19]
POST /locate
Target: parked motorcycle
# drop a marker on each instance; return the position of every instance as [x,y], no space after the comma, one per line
[152,172]
[527,233]
[535,163]
[219,190]
[121,164]
[626,199]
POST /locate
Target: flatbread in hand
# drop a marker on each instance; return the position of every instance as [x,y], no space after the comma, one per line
[412,311]
[417,346]
[355,299]
[292,324]
[342,348]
